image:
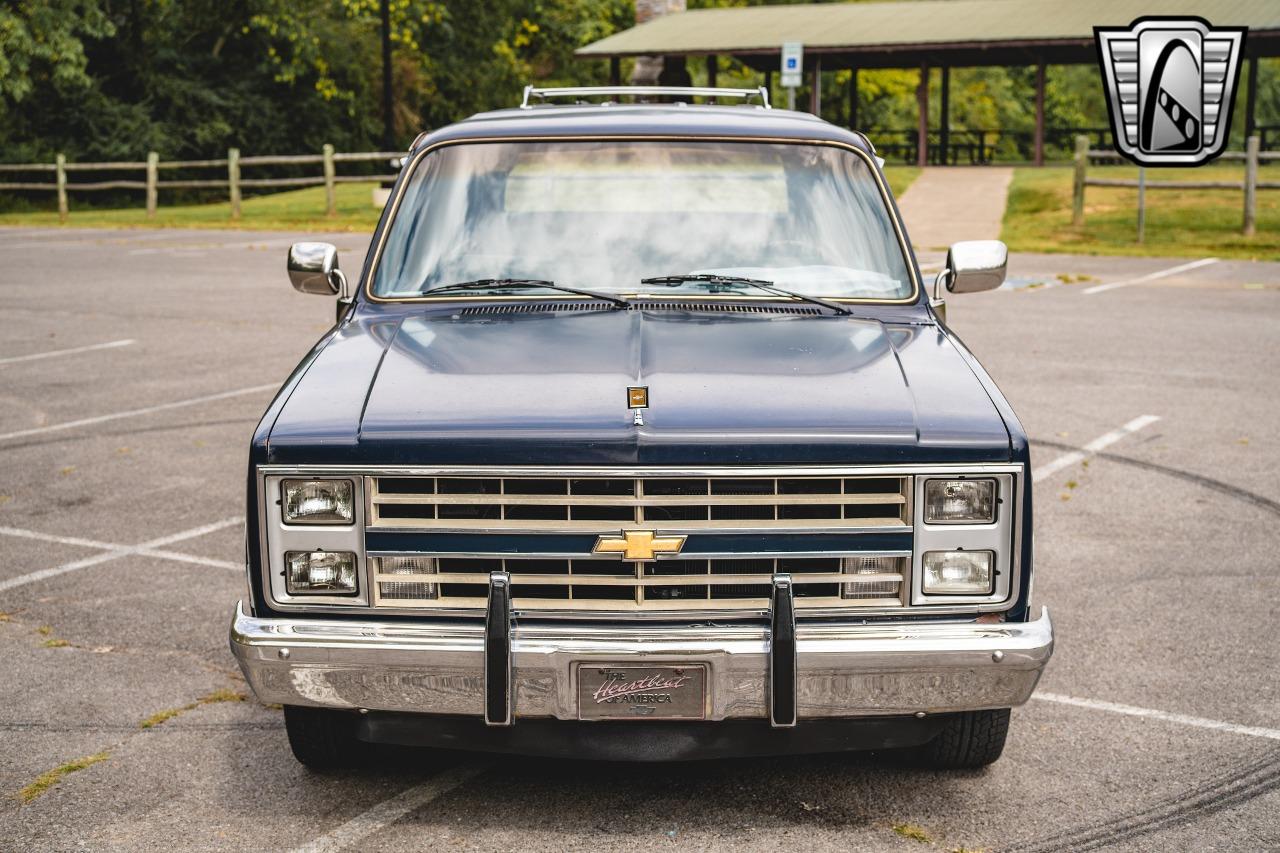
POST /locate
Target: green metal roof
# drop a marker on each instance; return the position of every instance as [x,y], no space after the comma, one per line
[855,28]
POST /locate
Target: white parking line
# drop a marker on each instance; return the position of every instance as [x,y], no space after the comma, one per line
[145,549]
[1166,716]
[194,401]
[1100,288]
[57,352]
[61,540]
[1068,459]
[177,556]
[180,557]
[391,810]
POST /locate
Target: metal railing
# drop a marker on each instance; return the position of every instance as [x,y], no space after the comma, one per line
[979,146]
[1252,157]
[984,145]
[577,93]
[233,182]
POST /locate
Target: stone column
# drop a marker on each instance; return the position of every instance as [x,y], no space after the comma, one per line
[647,68]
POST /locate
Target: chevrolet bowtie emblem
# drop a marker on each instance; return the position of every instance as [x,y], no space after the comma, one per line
[638,545]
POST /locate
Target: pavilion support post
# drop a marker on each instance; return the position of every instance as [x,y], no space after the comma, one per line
[853,100]
[1251,99]
[922,128]
[944,126]
[615,71]
[815,89]
[1040,114]
[713,65]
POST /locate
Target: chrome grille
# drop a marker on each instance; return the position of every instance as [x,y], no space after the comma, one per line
[611,585]
[598,504]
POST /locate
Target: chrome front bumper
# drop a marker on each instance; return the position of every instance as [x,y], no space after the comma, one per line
[842,670]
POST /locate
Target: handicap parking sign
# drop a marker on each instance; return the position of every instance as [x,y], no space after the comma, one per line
[792,63]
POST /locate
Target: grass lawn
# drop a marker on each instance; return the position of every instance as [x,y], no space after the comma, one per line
[900,177]
[1188,223]
[296,210]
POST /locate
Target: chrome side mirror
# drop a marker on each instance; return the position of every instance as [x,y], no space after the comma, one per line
[974,265]
[313,268]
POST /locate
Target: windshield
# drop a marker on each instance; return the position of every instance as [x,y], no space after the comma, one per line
[603,215]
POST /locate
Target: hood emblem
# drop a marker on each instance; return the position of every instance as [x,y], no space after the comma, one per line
[638,545]
[637,399]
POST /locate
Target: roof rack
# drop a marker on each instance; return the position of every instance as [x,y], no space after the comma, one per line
[578,92]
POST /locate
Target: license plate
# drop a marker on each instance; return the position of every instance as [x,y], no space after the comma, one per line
[629,692]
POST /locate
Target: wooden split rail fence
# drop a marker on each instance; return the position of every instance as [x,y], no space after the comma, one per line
[328,160]
[1252,157]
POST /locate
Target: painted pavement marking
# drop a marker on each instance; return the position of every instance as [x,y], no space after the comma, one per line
[132,413]
[72,351]
[1101,288]
[1151,713]
[151,548]
[1068,459]
[393,809]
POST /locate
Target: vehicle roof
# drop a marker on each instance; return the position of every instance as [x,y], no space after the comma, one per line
[612,119]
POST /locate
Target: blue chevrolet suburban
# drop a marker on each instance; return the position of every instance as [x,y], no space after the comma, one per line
[639,436]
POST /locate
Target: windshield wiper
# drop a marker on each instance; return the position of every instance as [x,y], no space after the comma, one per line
[731,280]
[521,284]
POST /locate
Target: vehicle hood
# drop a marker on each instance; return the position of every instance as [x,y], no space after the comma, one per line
[455,387]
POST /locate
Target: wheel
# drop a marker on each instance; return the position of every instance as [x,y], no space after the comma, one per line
[322,739]
[971,739]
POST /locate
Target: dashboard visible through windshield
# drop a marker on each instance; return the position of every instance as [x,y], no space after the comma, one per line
[604,214]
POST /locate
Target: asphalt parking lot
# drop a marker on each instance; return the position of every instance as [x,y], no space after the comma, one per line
[135,364]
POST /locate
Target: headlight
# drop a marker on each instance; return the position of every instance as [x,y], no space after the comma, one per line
[317,501]
[959,501]
[958,572]
[320,572]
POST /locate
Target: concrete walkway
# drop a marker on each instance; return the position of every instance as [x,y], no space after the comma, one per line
[951,203]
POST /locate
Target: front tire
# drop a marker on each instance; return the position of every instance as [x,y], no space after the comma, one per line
[970,740]
[321,738]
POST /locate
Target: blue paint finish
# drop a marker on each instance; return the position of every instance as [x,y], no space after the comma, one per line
[576,543]
[425,385]
[405,384]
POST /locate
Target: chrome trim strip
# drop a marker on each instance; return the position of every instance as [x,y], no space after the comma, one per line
[940,469]
[615,558]
[844,670]
[665,527]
